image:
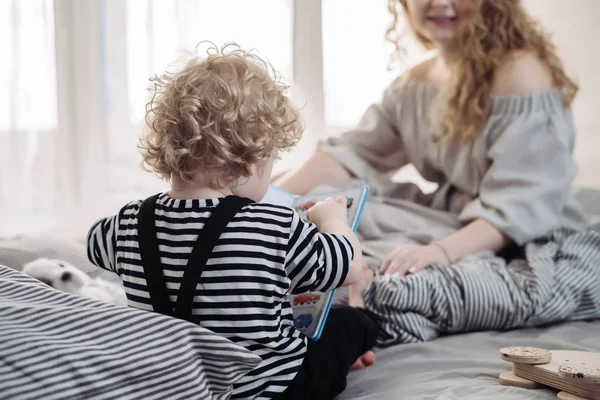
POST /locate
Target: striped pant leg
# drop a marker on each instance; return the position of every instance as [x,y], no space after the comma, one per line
[475,293]
[558,280]
[567,270]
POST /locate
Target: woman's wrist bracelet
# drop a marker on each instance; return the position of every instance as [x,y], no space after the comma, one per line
[441,247]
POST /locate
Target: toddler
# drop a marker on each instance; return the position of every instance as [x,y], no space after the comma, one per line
[208,252]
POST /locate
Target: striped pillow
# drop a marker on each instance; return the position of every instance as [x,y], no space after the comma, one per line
[56,345]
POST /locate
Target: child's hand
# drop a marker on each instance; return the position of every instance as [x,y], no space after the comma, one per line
[329,211]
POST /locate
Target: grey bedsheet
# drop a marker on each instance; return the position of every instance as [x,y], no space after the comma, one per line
[463,366]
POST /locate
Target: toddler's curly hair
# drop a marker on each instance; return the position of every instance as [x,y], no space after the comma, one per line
[220,114]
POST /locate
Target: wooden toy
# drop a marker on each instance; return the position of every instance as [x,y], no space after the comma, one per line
[507,378]
[568,396]
[583,371]
[526,355]
[574,373]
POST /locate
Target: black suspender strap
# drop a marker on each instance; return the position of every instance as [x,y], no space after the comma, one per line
[214,227]
[207,240]
[155,280]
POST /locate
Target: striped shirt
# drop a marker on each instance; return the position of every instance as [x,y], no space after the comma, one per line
[266,253]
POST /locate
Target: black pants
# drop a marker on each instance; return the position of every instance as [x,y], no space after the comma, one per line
[348,333]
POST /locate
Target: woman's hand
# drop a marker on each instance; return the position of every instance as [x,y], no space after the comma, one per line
[412,258]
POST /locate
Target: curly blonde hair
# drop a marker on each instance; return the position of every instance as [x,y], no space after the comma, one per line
[219,115]
[496,28]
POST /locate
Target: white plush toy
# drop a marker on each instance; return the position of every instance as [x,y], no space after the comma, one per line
[67,278]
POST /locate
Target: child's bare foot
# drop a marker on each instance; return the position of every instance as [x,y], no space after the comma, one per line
[355,292]
[364,361]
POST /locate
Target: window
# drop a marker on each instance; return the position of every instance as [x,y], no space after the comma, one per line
[158,31]
[27,72]
[355,58]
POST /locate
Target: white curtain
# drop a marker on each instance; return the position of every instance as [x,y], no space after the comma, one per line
[35,182]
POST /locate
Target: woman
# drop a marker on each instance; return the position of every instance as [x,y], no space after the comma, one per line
[488,120]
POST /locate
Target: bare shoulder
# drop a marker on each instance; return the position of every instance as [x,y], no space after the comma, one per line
[522,72]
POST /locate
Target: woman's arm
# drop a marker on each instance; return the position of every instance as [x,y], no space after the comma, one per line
[320,169]
[475,237]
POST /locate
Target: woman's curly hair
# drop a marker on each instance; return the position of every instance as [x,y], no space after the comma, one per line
[496,28]
[218,115]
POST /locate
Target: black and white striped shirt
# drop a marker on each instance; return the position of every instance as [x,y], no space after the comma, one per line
[265,253]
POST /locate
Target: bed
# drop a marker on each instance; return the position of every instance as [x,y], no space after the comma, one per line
[455,367]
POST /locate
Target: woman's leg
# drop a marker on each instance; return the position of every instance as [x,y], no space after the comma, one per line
[320,169]
[558,280]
